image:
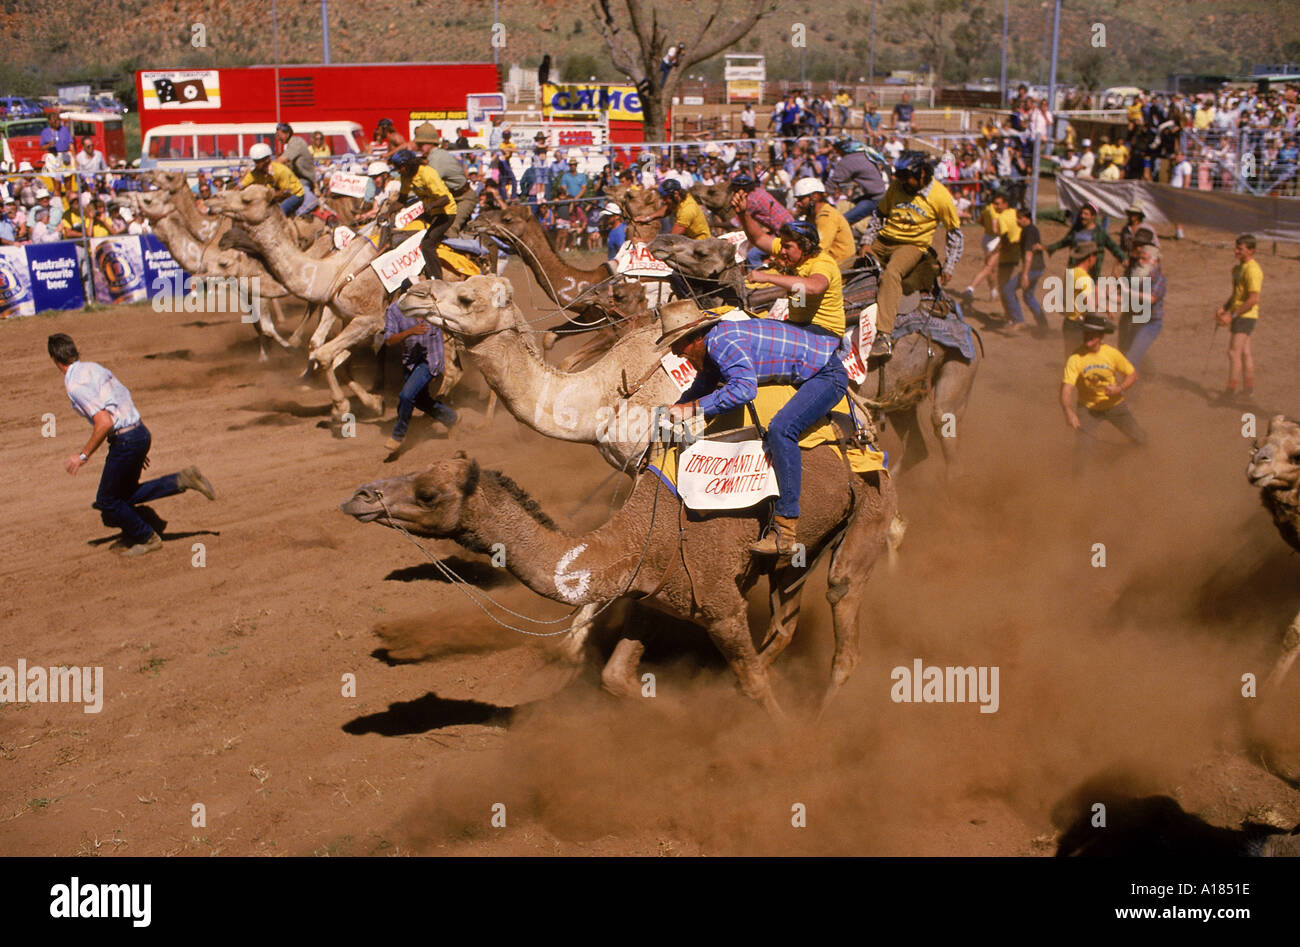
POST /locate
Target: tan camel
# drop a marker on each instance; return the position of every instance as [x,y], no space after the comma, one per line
[306,230]
[697,570]
[207,260]
[1274,469]
[583,406]
[344,281]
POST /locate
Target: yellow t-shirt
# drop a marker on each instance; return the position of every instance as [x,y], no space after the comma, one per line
[1080,283]
[843,99]
[835,233]
[1009,228]
[74,221]
[1121,154]
[1108,153]
[1247,278]
[1135,113]
[1202,119]
[277,177]
[1092,373]
[913,218]
[690,216]
[828,312]
[427,185]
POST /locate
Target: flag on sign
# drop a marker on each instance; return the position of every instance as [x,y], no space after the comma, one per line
[188,90]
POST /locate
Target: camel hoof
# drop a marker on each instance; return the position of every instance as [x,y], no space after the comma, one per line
[339,410]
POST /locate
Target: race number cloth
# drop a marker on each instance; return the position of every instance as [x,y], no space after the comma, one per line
[948,331]
[406,262]
[716,480]
[349,185]
[635,259]
[857,341]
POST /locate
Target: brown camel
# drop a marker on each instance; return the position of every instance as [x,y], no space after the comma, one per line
[1274,469]
[697,570]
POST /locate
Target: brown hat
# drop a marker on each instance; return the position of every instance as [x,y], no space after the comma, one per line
[1145,236]
[427,133]
[682,318]
[1082,250]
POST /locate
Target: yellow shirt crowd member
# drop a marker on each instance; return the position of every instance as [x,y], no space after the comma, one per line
[690,216]
[1081,294]
[1108,152]
[73,221]
[277,177]
[1247,278]
[913,218]
[1093,372]
[828,313]
[835,234]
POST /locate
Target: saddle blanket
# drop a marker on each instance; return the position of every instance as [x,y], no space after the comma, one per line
[948,330]
[721,475]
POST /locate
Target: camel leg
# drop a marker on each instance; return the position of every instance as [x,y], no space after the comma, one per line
[1290,651]
[952,391]
[372,401]
[915,449]
[334,353]
[491,407]
[295,340]
[618,677]
[572,645]
[731,636]
[866,539]
[785,615]
[267,317]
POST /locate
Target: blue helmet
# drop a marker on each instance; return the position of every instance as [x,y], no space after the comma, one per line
[670,187]
[806,231]
[743,182]
[913,164]
[846,146]
[404,158]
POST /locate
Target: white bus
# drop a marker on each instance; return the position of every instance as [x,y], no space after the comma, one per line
[193,146]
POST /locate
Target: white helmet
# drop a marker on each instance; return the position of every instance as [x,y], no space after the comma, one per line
[259,151]
[377,167]
[808,185]
[611,209]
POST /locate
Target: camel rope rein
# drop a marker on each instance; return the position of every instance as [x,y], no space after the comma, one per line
[477,596]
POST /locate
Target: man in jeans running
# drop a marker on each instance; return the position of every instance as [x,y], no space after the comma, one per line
[423,360]
[105,402]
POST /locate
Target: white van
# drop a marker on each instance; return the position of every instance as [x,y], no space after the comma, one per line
[192,146]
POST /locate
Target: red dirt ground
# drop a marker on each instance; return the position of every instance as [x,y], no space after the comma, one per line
[224,683]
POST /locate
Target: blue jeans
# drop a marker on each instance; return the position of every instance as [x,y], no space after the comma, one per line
[860,210]
[812,402]
[415,394]
[755,258]
[1143,336]
[120,489]
[290,205]
[1012,287]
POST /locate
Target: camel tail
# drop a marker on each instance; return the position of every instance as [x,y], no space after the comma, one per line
[894,539]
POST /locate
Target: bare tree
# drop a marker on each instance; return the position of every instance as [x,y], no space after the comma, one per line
[638,45]
[928,20]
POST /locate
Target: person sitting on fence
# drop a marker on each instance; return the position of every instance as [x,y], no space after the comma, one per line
[284,184]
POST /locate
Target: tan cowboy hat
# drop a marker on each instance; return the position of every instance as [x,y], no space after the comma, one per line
[427,133]
[682,318]
[1082,250]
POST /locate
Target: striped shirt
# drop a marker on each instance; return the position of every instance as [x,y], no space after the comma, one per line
[92,388]
[744,355]
[765,208]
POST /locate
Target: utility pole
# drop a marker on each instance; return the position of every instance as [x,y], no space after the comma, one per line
[1051,108]
[495,20]
[871,57]
[325,27]
[1002,83]
[275,46]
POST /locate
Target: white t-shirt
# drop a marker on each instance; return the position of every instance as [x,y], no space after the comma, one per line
[747,117]
[1086,164]
[893,149]
[1182,173]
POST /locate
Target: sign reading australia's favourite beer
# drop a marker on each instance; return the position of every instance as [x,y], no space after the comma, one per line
[119,270]
[39,277]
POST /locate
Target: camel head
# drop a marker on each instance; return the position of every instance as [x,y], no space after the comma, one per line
[1275,461]
[628,297]
[707,259]
[170,181]
[426,504]
[153,204]
[515,220]
[478,306]
[714,197]
[251,205]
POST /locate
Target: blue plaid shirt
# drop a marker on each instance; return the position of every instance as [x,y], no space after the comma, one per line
[744,355]
[425,348]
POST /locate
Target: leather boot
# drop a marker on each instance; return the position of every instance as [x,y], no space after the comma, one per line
[779,541]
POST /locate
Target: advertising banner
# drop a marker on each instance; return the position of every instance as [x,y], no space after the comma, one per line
[621,102]
[181,89]
[119,270]
[162,274]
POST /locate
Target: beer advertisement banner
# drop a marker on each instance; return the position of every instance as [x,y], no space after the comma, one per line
[119,270]
[56,275]
[15,284]
[621,102]
[161,271]
[181,89]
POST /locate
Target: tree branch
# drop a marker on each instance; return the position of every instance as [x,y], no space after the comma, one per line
[619,55]
[730,36]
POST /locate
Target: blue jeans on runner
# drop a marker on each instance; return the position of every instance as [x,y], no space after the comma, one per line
[860,210]
[1144,335]
[1009,294]
[415,394]
[812,402]
[120,489]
